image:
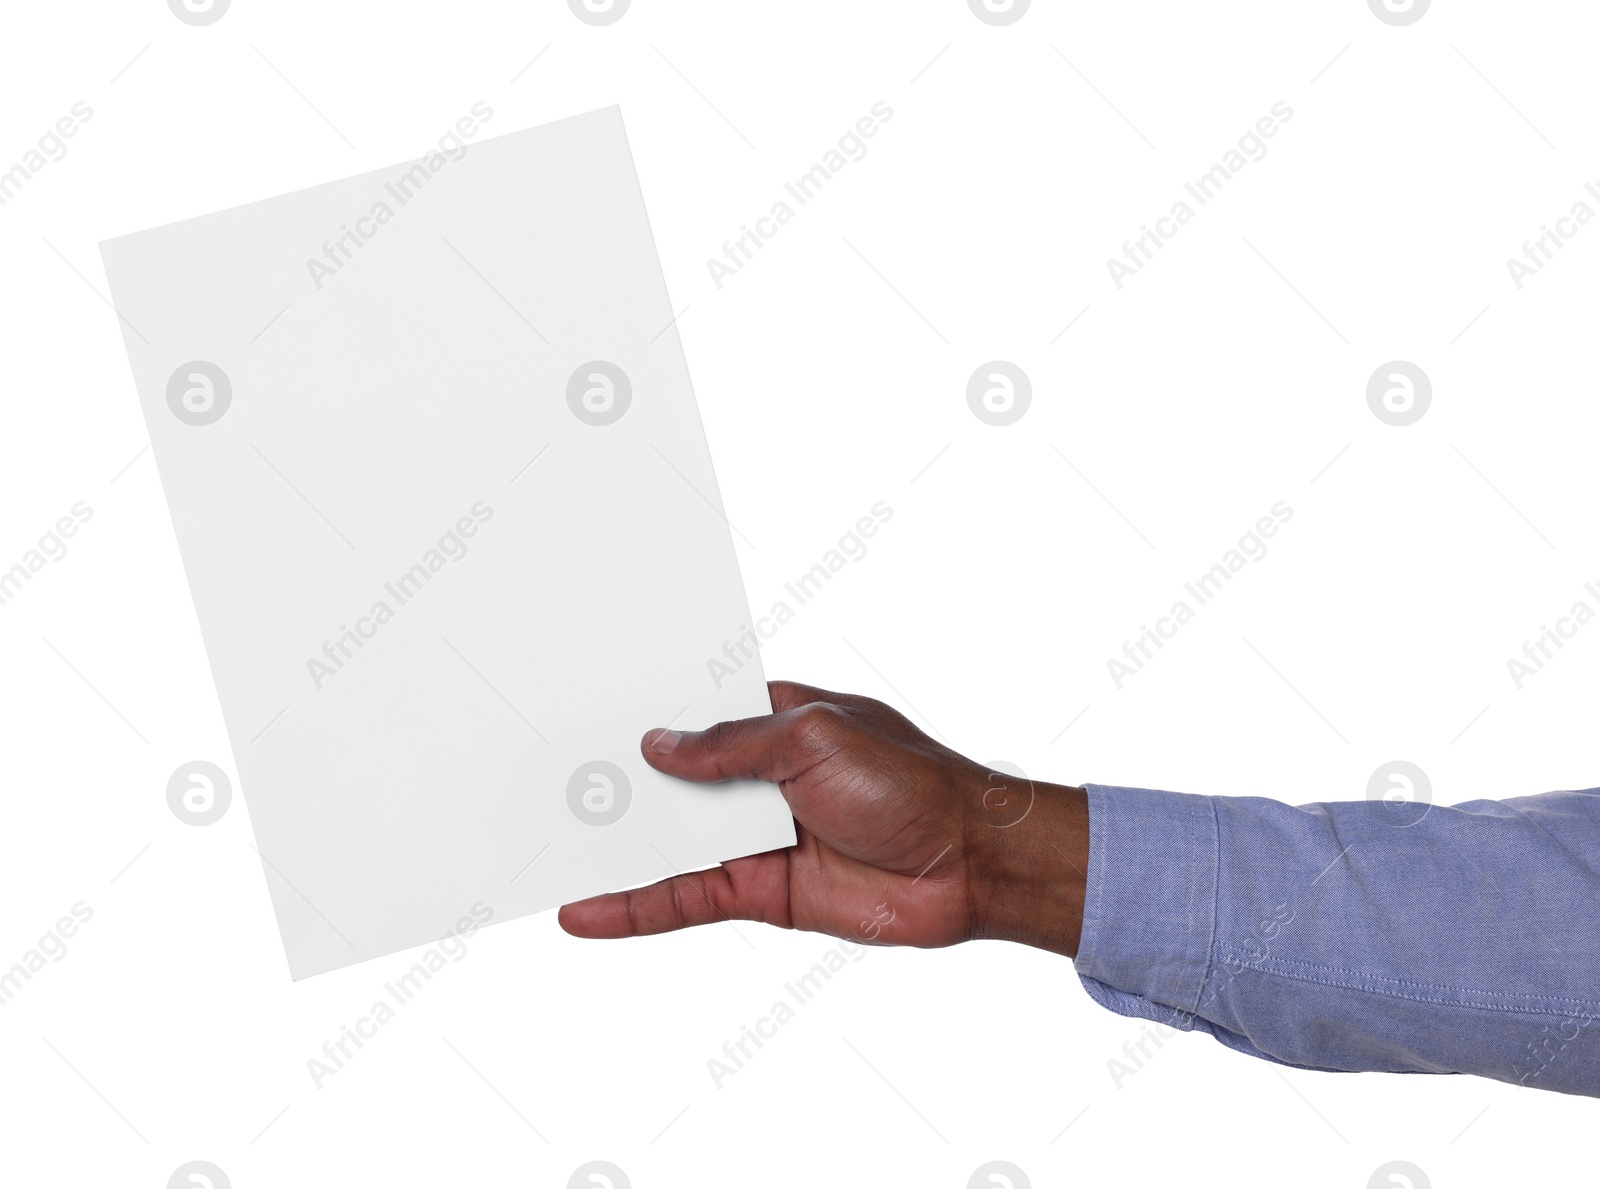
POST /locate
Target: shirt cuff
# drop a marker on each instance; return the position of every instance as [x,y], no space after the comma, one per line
[1149,912]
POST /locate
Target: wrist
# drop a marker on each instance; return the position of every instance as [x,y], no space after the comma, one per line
[1027,861]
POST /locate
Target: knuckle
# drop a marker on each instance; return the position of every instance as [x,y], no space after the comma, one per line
[875,707]
[818,725]
[679,917]
[782,693]
[717,736]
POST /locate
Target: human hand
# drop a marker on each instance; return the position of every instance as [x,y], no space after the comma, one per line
[900,840]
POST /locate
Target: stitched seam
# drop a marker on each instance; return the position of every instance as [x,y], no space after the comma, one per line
[1189,955]
[1088,942]
[1362,974]
[1215,841]
[1273,966]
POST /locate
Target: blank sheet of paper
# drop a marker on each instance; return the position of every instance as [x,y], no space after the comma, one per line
[450,522]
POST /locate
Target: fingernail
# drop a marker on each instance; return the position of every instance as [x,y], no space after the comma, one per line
[665,741]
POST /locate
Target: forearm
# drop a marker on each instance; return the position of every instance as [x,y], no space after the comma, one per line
[1329,936]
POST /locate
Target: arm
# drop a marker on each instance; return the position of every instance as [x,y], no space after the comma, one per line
[1326,936]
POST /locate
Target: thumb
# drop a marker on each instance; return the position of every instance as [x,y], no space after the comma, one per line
[774,747]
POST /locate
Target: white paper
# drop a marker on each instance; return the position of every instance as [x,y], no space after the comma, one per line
[415,411]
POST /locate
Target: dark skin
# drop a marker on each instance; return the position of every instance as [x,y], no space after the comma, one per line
[900,841]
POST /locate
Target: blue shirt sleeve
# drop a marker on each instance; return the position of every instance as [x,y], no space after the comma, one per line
[1355,935]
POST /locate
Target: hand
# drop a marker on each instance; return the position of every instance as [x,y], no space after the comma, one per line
[900,841]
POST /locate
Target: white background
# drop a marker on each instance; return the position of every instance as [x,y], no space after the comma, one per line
[1229,374]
